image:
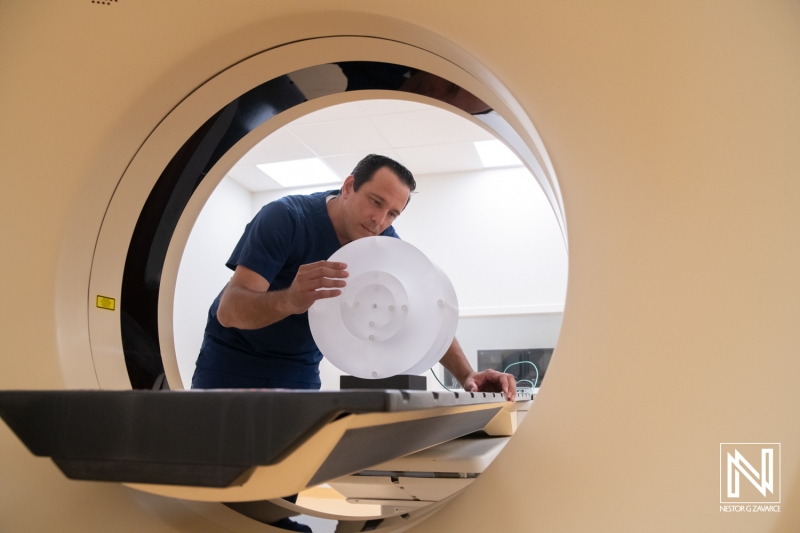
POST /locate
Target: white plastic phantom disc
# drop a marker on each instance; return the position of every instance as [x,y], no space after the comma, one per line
[397,315]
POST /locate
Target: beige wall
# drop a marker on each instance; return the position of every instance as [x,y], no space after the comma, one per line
[673,128]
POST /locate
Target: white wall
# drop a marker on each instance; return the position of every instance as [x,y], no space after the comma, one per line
[203,273]
[495,236]
[504,332]
[491,231]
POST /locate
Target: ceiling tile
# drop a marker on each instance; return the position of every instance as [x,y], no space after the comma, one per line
[252,179]
[451,157]
[337,112]
[280,146]
[382,107]
[429,140]
[427,126]
[344,164]
[356,135]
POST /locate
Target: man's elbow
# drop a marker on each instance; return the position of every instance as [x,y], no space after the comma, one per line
[224,315]
[222,318]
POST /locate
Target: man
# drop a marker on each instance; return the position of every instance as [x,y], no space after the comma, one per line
[257,335]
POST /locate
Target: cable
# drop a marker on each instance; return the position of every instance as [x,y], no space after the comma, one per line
[437,379]
[529,363]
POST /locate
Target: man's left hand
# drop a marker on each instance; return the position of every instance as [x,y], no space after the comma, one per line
[492,381]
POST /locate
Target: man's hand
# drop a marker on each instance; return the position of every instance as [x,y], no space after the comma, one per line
[313,282]
[247,303]
[492,381]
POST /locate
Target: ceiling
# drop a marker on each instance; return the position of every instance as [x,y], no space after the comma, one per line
[424,138]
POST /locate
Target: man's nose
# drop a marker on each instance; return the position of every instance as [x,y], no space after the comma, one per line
[378,218]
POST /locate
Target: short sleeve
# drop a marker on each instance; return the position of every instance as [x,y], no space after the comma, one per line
[267,241]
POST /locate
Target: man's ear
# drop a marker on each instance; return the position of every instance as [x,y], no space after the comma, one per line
[348,185]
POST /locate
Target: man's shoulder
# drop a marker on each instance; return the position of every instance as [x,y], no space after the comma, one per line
[299,204]
[390,232]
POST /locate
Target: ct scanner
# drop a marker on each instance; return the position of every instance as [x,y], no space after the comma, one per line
[665,138]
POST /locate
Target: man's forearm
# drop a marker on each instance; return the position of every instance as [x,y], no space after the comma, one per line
[242,308]
[489,380]
[456,362]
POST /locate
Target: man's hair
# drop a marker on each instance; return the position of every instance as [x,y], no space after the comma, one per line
[367,167]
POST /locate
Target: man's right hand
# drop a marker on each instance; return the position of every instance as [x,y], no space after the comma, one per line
[247,303]
[313,282]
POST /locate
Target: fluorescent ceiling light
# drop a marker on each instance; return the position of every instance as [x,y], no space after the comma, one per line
[300,172]
[496,154]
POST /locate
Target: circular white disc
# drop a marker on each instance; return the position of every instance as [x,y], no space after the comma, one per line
[449,307]
[397,315]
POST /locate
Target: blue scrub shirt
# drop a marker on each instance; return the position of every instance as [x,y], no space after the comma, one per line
[285,234]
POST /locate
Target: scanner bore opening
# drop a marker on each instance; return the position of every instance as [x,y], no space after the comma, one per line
[488,227]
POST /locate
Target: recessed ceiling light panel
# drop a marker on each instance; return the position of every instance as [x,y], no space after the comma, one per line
[299,172]
[496,154]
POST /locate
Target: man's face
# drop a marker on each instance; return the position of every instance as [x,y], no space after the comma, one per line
[375,205]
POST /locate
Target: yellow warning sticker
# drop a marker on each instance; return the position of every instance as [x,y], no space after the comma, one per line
[104,302]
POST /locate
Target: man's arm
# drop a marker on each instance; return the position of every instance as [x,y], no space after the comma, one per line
[456,362]
[246,304]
